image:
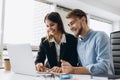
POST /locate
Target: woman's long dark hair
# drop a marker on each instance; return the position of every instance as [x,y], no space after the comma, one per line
[55,17]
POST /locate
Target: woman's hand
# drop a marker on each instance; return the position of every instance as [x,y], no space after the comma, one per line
[40,67]
[56,69]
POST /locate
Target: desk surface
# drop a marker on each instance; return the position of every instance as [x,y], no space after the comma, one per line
[9,75]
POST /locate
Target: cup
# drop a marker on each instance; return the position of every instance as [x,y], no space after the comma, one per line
[7,65]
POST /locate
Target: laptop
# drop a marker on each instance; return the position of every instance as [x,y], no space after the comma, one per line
[21,59]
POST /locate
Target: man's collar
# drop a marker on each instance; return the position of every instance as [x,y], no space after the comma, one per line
[86,36]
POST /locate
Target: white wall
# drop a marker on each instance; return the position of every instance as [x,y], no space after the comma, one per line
[0,12]
[0,17]
[116,25]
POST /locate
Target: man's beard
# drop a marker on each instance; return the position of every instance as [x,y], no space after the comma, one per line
[79,32]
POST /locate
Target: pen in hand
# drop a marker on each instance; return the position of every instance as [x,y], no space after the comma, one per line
[40,67]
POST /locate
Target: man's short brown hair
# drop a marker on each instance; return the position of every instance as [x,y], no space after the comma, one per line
[76,13]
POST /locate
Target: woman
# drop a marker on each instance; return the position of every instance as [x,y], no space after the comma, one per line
[56,46]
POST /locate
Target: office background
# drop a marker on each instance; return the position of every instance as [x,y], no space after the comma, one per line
[24,19]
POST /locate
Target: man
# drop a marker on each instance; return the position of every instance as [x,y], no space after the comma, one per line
[93,48]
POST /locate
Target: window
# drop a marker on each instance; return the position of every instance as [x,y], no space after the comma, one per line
[101,25]
[24,21]
[39,29]
[63,12]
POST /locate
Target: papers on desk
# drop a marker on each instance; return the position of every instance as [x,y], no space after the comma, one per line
[86,77]
[99,78]
[62,76]
[50,74]
[73,76]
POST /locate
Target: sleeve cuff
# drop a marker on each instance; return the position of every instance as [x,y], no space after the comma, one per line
[90,68]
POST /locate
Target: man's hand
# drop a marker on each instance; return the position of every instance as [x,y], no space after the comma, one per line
[56,69]
[40,67]
[66,67]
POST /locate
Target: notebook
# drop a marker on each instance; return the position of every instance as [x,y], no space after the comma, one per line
[21,59]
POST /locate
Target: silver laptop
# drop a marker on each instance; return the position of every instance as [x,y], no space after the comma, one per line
[21,59]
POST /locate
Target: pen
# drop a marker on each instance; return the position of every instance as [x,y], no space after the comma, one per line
[66,77]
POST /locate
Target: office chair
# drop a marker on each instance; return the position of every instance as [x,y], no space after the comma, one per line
[115,49]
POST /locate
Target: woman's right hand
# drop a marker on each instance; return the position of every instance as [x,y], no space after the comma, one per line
[40,67]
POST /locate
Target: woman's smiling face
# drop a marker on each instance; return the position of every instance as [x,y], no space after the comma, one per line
[52,27]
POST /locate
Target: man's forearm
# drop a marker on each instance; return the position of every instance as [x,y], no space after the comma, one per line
[80,70]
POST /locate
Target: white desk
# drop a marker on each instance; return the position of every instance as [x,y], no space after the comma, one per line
[4,75]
